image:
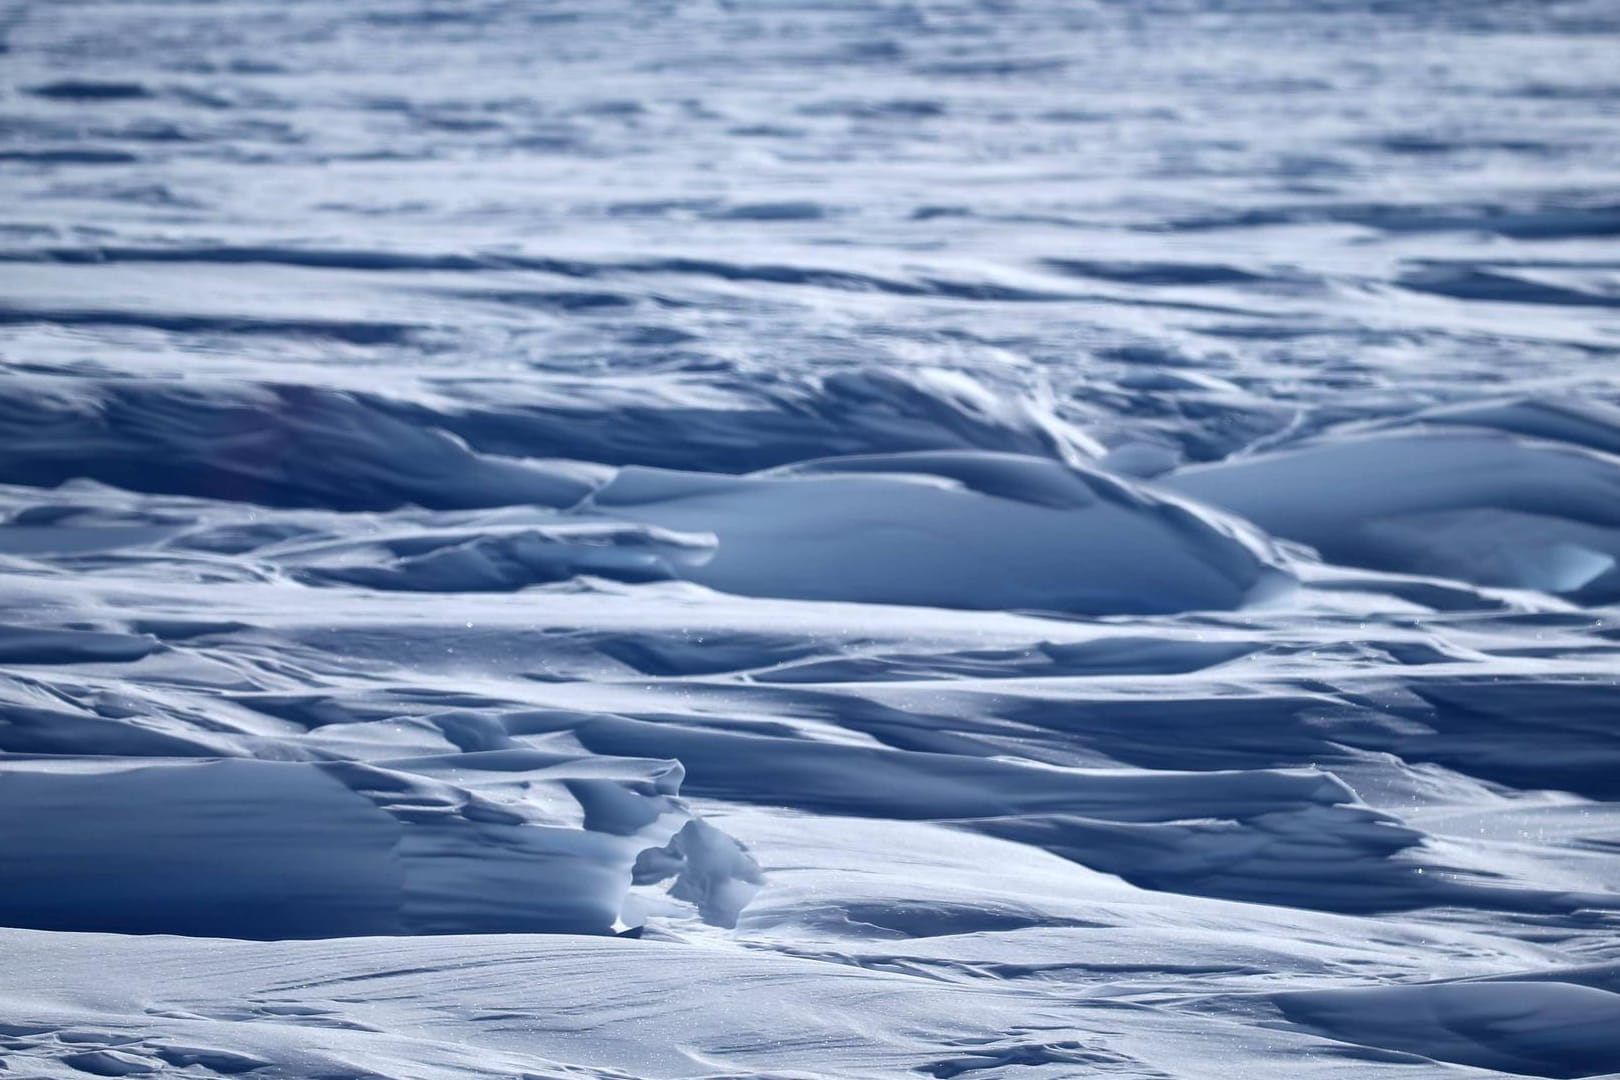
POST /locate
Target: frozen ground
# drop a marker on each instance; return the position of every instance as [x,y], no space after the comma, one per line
[810,539]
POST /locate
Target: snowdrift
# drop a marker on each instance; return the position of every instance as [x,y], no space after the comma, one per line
[1477,505]
[496,842]
[1542,1028]
[503,559]
[275,445]
[962,529]
[1281,837]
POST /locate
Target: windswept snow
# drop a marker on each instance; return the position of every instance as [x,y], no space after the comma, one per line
[611,541]
[522,841]
[966,530]
[1482,506]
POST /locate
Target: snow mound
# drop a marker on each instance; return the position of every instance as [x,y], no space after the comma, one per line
[962,529]
[504,841]
[1480,506]
[1552,1029]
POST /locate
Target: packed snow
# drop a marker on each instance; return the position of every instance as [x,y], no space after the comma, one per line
[809,539]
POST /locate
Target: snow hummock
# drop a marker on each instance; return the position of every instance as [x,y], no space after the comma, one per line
[957,529]
[1481,506]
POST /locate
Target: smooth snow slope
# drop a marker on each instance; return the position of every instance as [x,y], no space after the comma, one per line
[809,539]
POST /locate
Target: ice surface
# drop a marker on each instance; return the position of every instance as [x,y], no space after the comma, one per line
[984,539]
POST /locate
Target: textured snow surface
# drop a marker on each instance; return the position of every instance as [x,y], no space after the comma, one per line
[809,539]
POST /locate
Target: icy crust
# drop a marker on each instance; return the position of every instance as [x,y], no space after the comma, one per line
[501,842]
[974,530]
[1482,506]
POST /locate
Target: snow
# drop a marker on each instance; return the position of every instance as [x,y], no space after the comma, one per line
[279,849]
[1540,1028]
[1477,506]
[809,540]
[965,529]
